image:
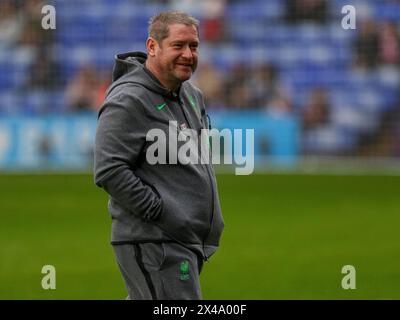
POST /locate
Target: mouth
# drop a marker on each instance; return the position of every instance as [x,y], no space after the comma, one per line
[187,65]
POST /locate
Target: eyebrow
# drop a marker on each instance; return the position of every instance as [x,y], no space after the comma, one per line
[183,41]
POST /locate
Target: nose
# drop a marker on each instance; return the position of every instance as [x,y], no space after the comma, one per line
[187,53]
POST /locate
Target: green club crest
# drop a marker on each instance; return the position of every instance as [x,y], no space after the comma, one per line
[184,270]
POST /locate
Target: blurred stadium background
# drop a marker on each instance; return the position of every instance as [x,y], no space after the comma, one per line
[321,99]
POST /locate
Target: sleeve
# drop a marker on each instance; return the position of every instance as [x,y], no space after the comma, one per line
[120,137]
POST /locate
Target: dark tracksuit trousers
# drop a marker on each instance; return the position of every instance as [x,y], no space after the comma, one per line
[159,271]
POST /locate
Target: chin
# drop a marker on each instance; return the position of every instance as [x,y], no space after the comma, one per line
[184,77]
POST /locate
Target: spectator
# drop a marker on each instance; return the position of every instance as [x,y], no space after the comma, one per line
[237,92]
[263,85]
[366,46]
[316,111]
[104,83]
[389,44]
[255,88]
[44,73]
[212,22]
[298,11]
[280,105]
[11,24]
[83,91]
[210,81]
[239,97]
[211,14]
[33,35]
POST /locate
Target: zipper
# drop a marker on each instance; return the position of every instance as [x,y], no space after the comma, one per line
[209,178]
[179,99]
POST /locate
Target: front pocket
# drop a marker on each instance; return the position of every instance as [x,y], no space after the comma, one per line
[185,210]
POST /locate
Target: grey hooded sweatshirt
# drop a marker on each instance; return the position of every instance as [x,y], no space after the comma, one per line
[153,202]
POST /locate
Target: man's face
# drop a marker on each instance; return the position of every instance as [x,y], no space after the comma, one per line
[176,56]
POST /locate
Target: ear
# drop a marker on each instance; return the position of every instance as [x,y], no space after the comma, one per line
[151,44]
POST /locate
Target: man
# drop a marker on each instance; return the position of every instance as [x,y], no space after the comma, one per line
[166,218]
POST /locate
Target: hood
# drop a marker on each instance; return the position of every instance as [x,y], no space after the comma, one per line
[129,68]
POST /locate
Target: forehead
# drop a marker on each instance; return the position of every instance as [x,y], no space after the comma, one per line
[182,32]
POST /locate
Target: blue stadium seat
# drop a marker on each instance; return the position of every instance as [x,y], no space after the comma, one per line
[330,139]
[12,76]
[247,11]
[387,12]
[10,102]
[43,101]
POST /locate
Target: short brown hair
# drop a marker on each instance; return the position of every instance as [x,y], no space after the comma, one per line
[159,24]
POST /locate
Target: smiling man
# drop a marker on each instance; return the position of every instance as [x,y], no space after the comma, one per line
[172,52]
[166,218]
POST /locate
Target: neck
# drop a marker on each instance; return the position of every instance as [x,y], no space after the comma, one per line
[171,86]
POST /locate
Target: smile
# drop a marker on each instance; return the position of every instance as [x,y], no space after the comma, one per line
[185,65]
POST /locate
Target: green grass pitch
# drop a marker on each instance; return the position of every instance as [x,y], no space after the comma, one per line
[286,237]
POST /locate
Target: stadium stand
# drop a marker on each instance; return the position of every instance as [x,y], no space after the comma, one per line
[306,54]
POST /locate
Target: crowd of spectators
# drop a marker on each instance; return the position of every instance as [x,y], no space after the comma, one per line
[377,44]
[20,25]
[86,90]
[242,86]
[298,11]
